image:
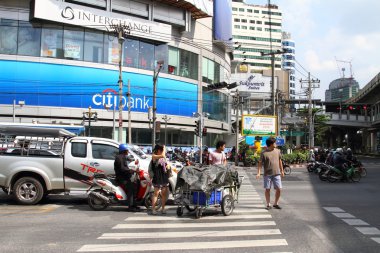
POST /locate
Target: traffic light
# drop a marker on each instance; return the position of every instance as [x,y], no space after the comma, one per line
[204,131]
[197,127]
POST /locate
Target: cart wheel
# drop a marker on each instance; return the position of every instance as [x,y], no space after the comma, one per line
[198,213]
[179,211]
[190,209]
[227,205]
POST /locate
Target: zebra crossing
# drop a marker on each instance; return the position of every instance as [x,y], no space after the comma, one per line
[250,228]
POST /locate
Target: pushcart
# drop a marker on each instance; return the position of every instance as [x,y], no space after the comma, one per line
[223,197]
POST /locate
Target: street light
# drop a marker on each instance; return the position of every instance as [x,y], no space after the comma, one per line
[155,77]
[107,106]
[90,116]
[21,103]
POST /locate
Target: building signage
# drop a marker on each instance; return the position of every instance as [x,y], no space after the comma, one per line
[67,13]
[252,83]
[64,86]
[258,125]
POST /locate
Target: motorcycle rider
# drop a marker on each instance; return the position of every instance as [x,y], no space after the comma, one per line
[124,174]
[339,161]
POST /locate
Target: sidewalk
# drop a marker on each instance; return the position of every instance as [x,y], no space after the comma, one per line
[292,166]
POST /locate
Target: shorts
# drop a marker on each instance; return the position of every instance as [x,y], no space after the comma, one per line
[272,180]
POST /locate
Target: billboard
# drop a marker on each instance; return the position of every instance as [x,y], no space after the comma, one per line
[44,84]
[259,125]
[223,21]
[252,83]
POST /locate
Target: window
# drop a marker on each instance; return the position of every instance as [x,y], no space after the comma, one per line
[210,71]
[111,49]
[188,64]
[237,20]
[173,67]
[78,149]
[93,46]
[249,10]
[131,53]
[241,9]
[244,21]
[234,9]
[103,151]
[51,41]
[272,23]
[252,21]
[244,27]
[256,11]
[259,22]
[161,54]
[8,36]
[146,56]
[259,29]
[29,39]
[251,28]
[73,40]
[216,104]
[237,26]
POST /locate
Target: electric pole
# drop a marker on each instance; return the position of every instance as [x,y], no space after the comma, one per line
[154,109]
[236,101]
[129,114]
[166,119]
[121,31]
[311,83]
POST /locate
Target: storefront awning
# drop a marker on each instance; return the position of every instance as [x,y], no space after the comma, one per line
[198,8]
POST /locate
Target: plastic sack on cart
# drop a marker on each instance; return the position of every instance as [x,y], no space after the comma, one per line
[207,178]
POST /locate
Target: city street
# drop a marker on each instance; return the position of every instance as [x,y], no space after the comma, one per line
[316,217]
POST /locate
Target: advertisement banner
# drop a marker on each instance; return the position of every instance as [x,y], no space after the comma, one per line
[43,84]
[255,83]
[78,15]
[258,125]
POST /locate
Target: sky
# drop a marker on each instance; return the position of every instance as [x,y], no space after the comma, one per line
[326,30]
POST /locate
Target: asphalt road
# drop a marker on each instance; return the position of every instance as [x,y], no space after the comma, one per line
[316,217]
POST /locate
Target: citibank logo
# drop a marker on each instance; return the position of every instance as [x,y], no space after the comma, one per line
[110,98]
[68,13]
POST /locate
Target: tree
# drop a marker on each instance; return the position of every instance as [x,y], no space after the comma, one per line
[320,126]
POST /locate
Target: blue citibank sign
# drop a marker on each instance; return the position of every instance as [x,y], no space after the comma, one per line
[44,84]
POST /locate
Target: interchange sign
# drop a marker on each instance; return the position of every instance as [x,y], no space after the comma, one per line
[259,125]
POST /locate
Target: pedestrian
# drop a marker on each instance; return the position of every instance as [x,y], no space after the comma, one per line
[124,176]
[273,171]
[218,156]
[160,172]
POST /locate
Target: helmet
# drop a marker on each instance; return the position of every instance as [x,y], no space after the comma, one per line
[348,149]
[339,150]
[123,147]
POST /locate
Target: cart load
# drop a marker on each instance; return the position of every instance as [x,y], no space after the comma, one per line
[201,187]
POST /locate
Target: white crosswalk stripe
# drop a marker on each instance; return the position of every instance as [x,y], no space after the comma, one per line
[249,226]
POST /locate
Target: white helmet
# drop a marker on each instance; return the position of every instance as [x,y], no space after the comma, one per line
[339,150]
[348,149]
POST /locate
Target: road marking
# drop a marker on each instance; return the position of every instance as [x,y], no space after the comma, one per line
[250,210]
[376,239]
[355,222]
[158,235]
[28,209]
[343,215]
[196,225]
[368,230]
[334,209]
[251,206]
[220,217]
[182,246]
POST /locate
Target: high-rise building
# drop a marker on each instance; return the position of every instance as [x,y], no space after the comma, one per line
[341,89]
[254,32]
[288,62]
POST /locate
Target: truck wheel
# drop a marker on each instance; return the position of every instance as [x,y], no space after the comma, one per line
[28,191]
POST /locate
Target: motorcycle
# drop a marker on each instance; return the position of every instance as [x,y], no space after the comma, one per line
[105,191]
[334,174]
[359,166]
[286,167]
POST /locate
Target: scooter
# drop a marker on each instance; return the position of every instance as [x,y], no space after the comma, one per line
[335,174]
[286,167]
[105,191]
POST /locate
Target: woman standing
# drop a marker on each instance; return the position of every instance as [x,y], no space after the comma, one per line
[160,177]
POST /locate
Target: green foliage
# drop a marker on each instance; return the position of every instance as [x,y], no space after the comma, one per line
[296,157]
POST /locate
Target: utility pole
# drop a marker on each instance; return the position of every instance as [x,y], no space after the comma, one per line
[155,77]
[88,116]
[121,31]
[166,119]
[311,83]
[129,114]
[236,98]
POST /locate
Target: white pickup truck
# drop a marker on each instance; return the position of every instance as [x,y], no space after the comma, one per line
[30,171]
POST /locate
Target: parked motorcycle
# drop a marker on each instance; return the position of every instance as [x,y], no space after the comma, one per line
[105,191]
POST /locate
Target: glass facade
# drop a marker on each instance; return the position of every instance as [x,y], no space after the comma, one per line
[216,104]
[65,42]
